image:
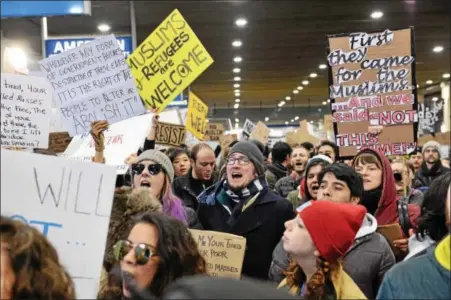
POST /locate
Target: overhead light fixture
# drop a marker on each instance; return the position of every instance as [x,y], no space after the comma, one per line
[266,119]
[282,103]
[236,91]
[103,27]
[429,82]
[324,102]
[446,75]
[322,66]
[296,118]
[328,100]
[300,88]
[286,122]
[237,94]
[377,14]
[292,120]
[311,122]
[320,110]
[313,75]
[236,85]
[236,106]
[236,70]
[437,49]
[237,78]
[237,59]
[237,120]
[236,125]
[237,43]
[434,98]
[288,98]
[237,100]
[305,82]
[295,92]
[418,85]
[241,22]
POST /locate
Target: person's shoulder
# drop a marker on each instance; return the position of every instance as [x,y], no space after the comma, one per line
[412,268]
[180,180]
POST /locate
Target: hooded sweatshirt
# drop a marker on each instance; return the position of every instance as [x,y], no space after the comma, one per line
[274,173]
[387,208]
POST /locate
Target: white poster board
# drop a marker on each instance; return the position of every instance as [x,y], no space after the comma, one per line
[69,202]
[121,140]
[25,111]
[247,130]
[92,82]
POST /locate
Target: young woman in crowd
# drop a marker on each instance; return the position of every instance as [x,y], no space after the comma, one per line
[308,188]
[432,226]
[158,251]
[379,195]
[180,161]
[404,173]
[316,239]
[30,268]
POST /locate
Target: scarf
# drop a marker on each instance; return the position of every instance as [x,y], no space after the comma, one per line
[370,199]
[433,171]
[259,184]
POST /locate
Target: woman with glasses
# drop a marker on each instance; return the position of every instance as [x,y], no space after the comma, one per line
[158,251]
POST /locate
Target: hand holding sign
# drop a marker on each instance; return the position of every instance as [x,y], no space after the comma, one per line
[97,129]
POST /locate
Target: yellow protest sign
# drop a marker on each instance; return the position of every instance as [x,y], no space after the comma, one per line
[168,61]
[223,252]
[196,118]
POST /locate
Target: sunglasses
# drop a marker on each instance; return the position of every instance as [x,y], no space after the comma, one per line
[154,169]
[143,252]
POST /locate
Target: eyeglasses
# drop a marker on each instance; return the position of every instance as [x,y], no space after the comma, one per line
[143,252]
[154,169]
[243,160]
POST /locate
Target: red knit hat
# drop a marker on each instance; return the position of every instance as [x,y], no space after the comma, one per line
[332,226]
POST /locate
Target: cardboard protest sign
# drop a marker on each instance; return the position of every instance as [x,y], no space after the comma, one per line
[59,141]
[68,202]
[302,134]
[247,130]
[443,138]
[170,134]
[372,83]
[25,111]
[168,61]
[92,82]
[223,252]
[260,133]
[226,139]
[121,140]
[196,117]
[213,132]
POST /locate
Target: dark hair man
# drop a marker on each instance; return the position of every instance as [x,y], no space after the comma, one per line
[281,159]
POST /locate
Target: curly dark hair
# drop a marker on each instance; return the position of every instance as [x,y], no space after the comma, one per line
[39,273]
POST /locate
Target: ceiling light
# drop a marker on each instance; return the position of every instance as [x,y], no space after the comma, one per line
[328,100]
[324,102]
[300,88]
[377,14]
[237,43]
[311,122]
[292,120]
[313,75]
[237,78]
[288,98]
[434,98]
[305,82]
[237,100]
[236,125]
[286,122]
[266,119]
[322,66]
[104,27]
[241,22]
[282,103]
[296,118]
[236,106]
[437,49]
[236,70]
[237,120]
[446,75]
[237,59]
[236,85]
[237,94]
[418,85]
[320,110]
[429,82]
[295,92]
[236,91]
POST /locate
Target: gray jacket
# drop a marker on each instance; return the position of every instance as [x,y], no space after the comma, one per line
[286,185]
[366,261]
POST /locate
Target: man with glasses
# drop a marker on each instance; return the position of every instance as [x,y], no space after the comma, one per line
[242,204]
[431,167]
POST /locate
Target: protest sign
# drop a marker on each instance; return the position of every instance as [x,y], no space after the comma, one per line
[170,134]
[372,83]
[226,139]
[213,132]
[168,61]
[25,111]
[59,141]
[223,252]
[196,118]
[260,133]
[247,129]
[68,202]
[121,140]
[92,82]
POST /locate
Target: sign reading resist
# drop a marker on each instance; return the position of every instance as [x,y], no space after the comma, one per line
[92,82]
[25,111]
[170,134]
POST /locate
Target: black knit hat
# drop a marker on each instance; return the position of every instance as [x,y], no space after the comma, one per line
[252,152]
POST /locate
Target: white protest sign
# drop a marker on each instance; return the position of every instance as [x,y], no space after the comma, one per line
[121,140]
[247,130]
[92,82]
[25,111]
[69,202]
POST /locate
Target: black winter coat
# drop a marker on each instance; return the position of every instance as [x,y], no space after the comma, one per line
[188,189]
[262,224]
[424,176]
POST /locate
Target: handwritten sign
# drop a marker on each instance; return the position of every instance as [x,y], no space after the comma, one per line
[196,118]
[69,202]
[247,130]
[213,132]
[92,82]
[59,141]
[260,133]
[223,252]
[373,84]
[170,134]
[168,61]
[226,139]
[121,140]
[25,111]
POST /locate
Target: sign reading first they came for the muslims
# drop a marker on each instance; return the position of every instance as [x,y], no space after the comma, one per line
[168,61]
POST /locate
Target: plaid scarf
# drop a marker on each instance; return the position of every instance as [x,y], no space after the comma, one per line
[256,186]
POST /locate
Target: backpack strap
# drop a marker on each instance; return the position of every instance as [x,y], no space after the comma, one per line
[403,213]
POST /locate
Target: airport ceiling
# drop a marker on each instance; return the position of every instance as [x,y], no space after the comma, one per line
[283,41]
